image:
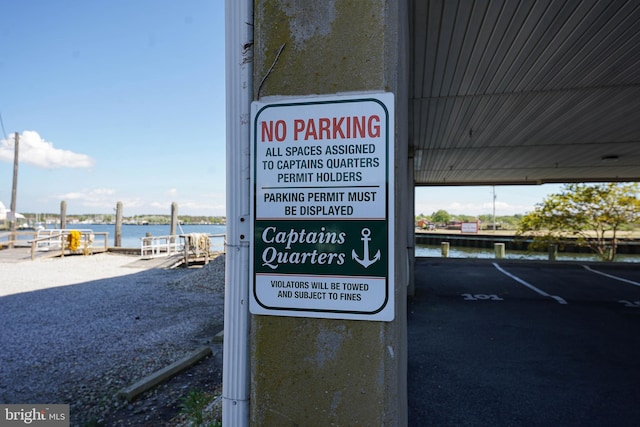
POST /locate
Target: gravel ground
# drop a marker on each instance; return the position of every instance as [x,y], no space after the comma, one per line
[76,330]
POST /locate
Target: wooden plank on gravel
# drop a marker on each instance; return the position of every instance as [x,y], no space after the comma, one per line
[150,381]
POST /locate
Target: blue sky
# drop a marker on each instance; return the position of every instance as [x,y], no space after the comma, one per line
[115,101]
[509,199]
[124,100]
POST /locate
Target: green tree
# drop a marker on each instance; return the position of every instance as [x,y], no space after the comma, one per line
[441,217]
[593,214]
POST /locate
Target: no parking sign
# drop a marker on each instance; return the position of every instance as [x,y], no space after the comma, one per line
[322,207]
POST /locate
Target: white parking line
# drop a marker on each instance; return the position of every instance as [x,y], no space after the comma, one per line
[611,276]
[529,285]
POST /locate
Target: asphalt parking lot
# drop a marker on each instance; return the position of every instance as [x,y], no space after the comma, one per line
[513,343]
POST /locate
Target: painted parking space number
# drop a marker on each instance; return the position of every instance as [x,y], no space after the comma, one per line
[481,297]
[634,304]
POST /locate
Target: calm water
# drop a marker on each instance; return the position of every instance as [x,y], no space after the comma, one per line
[131,234]
[435,251]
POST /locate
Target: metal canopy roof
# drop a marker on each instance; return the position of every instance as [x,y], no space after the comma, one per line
[524,92]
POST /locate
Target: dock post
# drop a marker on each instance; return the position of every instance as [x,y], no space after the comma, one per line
[499,249]
[445,249]
[117,239]
[174,219]
[174,223]
[63,215]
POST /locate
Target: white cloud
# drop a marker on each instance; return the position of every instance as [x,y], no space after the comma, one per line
[37,152]
[98,198]
[473,207]
[457,208]
[510,200]
[104,200]
[204,206]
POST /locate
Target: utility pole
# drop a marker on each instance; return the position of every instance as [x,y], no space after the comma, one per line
[15,175]
[14,188]
[494,208]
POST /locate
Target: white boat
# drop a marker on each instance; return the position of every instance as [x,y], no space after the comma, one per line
[6,217]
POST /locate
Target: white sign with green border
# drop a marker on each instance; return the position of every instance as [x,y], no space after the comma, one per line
[322,207]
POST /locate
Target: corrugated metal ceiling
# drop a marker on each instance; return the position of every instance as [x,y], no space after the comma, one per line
[509,91]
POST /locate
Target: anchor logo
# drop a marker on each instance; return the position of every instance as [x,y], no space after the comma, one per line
[365,261]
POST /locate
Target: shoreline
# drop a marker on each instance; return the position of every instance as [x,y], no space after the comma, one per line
[627,243]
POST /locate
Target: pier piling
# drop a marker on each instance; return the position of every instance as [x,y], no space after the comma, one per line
[499,249]
[445,249]
[117,239]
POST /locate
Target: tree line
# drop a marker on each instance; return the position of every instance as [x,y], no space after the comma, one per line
[594,215]
[133,219]
[441,218]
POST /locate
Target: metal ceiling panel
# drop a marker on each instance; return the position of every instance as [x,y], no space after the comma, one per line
[508,91]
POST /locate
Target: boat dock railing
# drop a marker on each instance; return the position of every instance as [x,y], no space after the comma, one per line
[55,241]
[197,247]
[16,238]
[191,246]
[157,246]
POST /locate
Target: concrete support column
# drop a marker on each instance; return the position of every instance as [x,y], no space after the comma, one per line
[411,229]
[321,372]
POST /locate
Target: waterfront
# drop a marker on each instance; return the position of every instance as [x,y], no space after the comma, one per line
[131,234]
[481,245]
[435,251]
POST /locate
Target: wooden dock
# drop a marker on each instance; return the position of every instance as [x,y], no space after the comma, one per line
[15,255]
[50,244]
[19,254]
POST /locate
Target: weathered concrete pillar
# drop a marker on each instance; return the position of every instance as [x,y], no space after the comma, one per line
[321,372]
[553,252]
[411,229]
